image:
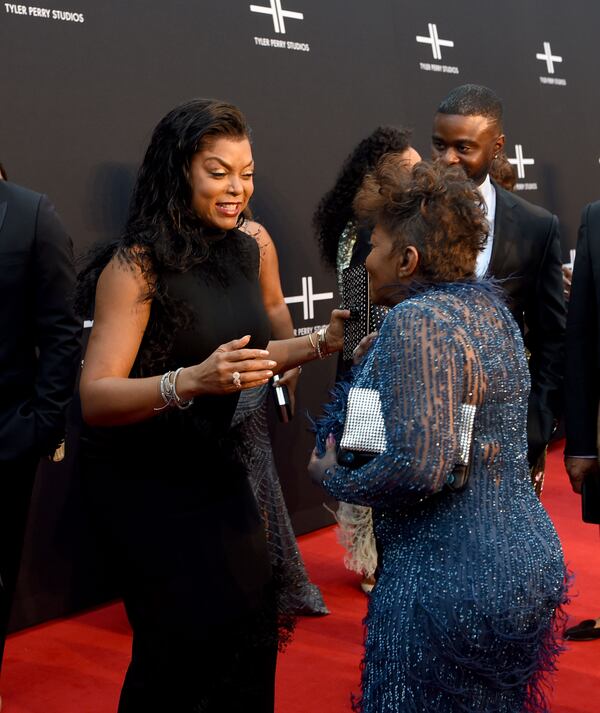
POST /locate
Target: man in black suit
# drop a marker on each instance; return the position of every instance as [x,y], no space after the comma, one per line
[582,378]
[522,250]
[39,353]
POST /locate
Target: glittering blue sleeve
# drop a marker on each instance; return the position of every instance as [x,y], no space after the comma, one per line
[418,367]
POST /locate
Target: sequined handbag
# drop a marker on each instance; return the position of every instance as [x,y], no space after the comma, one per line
[364,429]
[364,435]
[365,317]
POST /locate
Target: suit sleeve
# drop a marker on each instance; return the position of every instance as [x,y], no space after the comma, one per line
[58,331]
[582,388]
[546,323]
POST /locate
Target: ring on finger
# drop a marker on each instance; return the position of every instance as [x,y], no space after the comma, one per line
[235,377]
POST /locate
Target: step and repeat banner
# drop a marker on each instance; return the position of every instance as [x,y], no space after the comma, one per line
[84,82]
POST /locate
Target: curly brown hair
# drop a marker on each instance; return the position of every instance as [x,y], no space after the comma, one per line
[435,208]
[503,172]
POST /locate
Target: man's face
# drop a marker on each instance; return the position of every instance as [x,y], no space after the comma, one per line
[471,141]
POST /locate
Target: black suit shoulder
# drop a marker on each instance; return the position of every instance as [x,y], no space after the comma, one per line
[591,214]
[8,188]
[523,210]
[19,213]
[20,198]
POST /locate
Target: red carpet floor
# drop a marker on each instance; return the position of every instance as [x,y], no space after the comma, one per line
[76,665]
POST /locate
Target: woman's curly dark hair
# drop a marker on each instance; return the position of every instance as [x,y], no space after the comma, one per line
[163,233]
[335,208]
[433,207]
[503,172]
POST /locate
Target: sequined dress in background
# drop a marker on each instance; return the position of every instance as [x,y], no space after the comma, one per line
[463,615]
[355,532]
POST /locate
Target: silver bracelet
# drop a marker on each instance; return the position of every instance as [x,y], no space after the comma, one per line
[162,389]
[168,392]
[179,402]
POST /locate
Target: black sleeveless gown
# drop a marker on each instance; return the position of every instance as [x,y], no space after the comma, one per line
[173,500]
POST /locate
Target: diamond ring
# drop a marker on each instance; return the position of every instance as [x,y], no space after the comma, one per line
[235,377]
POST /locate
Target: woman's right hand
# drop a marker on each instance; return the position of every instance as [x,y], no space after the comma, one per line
[229,368]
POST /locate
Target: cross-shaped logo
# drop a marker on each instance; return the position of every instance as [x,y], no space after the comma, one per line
[308,298]
[435,42]
[549,58]
[278,14]
[520,162]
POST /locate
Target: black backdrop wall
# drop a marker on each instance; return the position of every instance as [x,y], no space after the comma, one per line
[83,83]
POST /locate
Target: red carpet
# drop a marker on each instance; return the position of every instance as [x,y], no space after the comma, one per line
[76,665]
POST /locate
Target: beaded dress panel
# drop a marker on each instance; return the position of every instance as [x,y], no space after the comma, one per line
[297,594]
[464,613]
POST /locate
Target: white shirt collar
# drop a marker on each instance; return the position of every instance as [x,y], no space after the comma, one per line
[487,192]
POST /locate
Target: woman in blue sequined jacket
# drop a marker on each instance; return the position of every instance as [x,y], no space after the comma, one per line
[464,613]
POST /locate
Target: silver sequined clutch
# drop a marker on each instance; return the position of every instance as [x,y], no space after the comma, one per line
[364,429]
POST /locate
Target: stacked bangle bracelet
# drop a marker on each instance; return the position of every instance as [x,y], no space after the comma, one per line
[168,391]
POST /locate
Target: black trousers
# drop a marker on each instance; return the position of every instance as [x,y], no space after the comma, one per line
[16,485]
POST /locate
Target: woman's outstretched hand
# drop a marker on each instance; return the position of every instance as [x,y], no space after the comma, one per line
[229,368]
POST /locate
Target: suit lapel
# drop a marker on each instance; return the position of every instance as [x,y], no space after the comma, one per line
[504,234]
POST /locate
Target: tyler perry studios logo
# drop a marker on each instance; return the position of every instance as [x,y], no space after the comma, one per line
[433,39]
[278,18]
[43,13]
[307,299]
[520,162]
[550,60]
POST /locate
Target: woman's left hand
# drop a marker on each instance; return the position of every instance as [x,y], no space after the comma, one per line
[321,469]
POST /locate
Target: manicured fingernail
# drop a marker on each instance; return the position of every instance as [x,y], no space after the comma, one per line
[331,440]
[271,363]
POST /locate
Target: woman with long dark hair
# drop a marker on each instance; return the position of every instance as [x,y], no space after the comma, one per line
[344,241]
[179,329]
[341,237]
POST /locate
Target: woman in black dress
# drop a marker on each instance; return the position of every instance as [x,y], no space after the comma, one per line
[179,329]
